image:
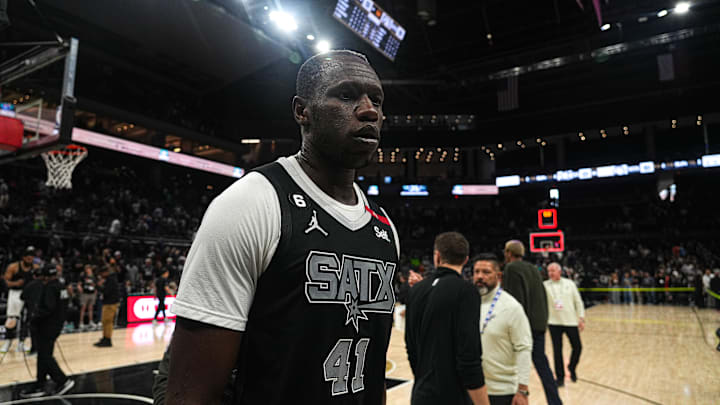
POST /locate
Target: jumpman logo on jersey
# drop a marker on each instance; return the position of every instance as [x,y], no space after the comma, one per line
[314,225]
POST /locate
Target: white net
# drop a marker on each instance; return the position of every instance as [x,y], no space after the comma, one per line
[61,163]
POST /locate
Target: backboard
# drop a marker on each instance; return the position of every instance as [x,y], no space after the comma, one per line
[37,87]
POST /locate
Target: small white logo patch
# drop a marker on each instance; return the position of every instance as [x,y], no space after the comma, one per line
[382,234]
[314,225]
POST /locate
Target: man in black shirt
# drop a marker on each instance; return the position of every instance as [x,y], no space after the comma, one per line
[111,300]
[48,318]
[161,290]
[442,330]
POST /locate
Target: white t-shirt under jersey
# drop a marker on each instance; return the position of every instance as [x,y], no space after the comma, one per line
[237,240]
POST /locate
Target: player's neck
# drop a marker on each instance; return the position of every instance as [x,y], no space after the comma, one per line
[335,182]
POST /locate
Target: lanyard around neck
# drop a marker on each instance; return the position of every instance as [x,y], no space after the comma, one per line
[490,311]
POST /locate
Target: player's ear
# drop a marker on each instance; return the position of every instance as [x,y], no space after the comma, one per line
[300,111]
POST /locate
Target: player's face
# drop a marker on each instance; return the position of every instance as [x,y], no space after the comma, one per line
[28,259]
[485,276]
[346,114]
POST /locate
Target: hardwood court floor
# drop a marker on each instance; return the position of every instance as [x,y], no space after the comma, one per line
[134,345]
[631,355]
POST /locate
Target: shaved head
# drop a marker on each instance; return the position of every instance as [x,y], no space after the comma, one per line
[313,73]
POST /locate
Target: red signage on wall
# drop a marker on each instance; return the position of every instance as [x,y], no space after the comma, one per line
[141,308]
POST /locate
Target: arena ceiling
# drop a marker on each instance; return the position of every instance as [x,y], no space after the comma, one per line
[217,62]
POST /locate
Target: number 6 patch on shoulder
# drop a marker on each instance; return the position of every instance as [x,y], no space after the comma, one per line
[298,200]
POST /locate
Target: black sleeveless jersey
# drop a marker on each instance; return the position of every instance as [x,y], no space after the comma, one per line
[22,275]
[319,326]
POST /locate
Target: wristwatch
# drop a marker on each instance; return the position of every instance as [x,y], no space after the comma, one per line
[526,393]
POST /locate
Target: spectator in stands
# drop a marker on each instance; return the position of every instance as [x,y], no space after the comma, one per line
[649,282]
[715,288]
[706,286]
[627,284]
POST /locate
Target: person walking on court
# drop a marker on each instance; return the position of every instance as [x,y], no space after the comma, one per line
[567,316]
[110,302]
[161,290]
[522,280]
[48,318]
[506,336]
[290,277]
[442,330]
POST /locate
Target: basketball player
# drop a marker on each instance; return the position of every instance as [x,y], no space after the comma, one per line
[506,337]
[17,275]
[290,276]
[567,316]
[522,280]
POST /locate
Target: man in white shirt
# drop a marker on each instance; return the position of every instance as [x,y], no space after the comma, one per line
[566,315]
[506,336]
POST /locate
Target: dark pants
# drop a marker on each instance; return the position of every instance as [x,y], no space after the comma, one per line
[543,369]
[501,399]
[46,364]
[556,333]
[161,306]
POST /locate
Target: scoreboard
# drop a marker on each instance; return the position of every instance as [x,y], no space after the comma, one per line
[371,23]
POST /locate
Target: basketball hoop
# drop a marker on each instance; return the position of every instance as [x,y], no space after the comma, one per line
[61,163]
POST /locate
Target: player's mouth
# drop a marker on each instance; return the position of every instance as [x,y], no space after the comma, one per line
[367,135]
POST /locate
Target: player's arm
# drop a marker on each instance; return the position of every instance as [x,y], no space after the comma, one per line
[235,243]
[468,345]
[479,396]
[9,273]
[521,339]
[202,357]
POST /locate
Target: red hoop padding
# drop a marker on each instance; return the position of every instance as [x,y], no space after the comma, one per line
[71,149]
[11,133]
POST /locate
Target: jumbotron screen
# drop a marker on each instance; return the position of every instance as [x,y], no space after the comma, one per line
[372,24]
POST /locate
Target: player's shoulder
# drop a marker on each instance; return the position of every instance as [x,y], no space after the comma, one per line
[253,188]
[13,266]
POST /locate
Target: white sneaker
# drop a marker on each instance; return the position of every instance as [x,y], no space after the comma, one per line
[6,347]
[69,384]
[82,327]
[22,347]
[93,325]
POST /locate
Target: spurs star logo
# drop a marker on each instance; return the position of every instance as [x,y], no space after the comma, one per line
[382,234]
[314,225]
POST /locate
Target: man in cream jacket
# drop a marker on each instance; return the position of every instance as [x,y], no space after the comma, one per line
[566,316]
[506,336]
